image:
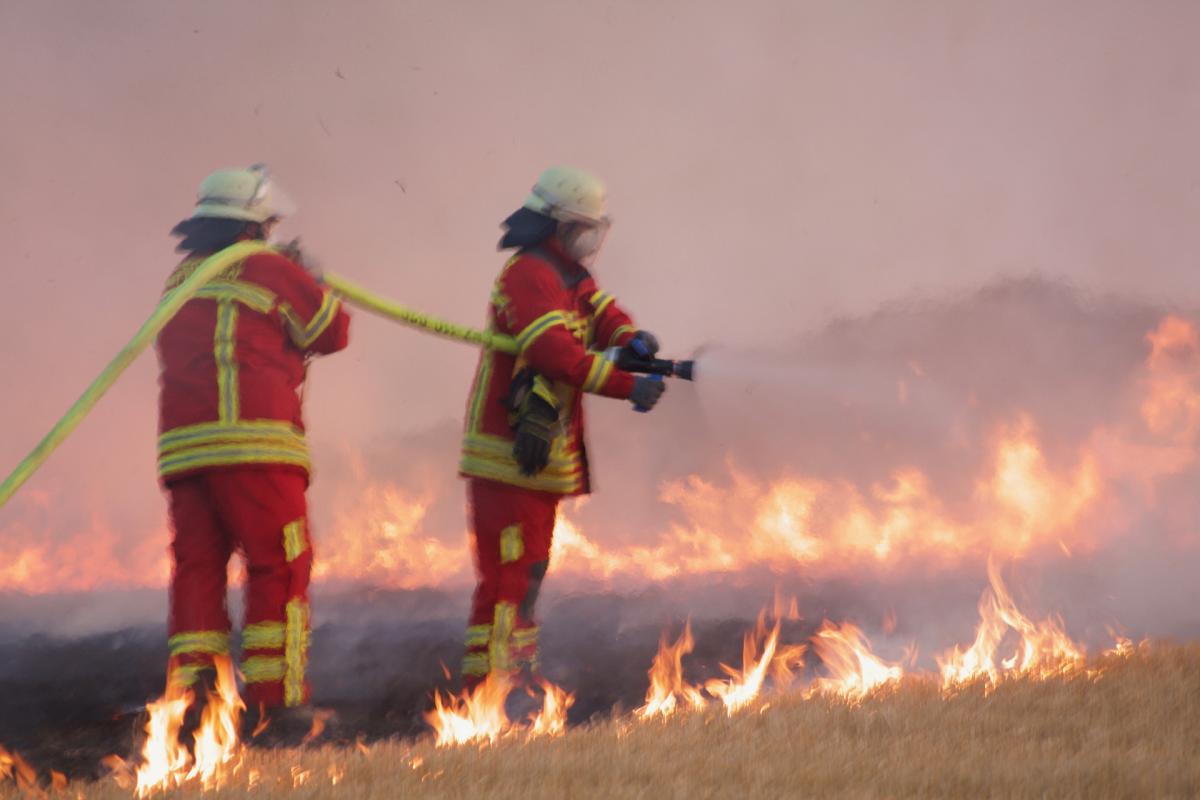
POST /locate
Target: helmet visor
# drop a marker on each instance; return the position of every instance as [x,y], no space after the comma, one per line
[585,240]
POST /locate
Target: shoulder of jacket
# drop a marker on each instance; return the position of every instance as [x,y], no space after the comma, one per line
[273,268]
[530,267]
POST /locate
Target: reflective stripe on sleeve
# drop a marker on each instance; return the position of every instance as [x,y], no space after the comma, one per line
[535,329]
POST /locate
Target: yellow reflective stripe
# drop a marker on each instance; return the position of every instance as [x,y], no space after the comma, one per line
[598,375]
[330,304]
[478,468]
[295,541]
[292,320]
[295,652]
[490,457]
[539,326]
[229,455]
[600,301]
[249,443]
[499,648]
[263,427]
[524,637]
[263,669]
[475,664]
[186,674]
[483,382]
[281,434]
[579,327]
[619,332]
[247,294]
[478,635]
[209,642]
[263,636]
[512,544]
[228,401]
[304,334]
[562,454]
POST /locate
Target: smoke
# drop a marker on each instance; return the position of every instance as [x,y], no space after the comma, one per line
[779,175]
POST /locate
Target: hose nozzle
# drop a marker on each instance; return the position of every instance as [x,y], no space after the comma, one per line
[654,366]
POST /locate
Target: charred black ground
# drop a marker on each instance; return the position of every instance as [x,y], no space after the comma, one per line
[68,701]
[69,697]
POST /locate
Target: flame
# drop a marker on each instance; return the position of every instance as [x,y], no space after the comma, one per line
[668,691]
[552,719]
[1123,647]
[378,531]
[479,716]
[475,716]
[376,537]
[165,761]
[218,747]
[1172,383]
[744,685]
[854,670]
[14,767]
[1042,650]
[1017,502]
[39,558]
[216,752]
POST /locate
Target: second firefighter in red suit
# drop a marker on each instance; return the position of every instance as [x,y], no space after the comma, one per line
[523,448]
[232,452]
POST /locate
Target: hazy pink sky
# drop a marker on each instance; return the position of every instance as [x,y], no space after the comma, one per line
[770,164]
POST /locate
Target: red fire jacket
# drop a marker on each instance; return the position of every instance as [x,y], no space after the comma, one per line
[232,364]
[562,323]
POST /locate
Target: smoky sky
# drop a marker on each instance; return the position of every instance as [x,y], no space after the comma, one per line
[772,166]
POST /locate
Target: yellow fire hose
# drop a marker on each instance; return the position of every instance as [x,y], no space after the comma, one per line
[170,304]
[370,301]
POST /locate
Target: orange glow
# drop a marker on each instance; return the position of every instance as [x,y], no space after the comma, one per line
[744,685]
[376,537]
[552,719]
[478,716]
[1019,502]
[1172,403]
[475,716]
[1039,650]
[14,767]
[854,671]
[218,748]
[668,691]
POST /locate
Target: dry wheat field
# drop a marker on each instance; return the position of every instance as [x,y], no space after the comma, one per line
[1125,727]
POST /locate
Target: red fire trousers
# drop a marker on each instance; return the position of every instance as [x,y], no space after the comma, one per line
[260,511]
[513,528]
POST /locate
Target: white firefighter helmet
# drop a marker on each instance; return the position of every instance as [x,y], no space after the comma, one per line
[246,193]
[568,194]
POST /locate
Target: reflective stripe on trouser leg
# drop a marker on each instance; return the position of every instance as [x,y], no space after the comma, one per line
[276,649]
[512,532]
[192,652]
[500,646]
[203,642]
[277,652]
[525,647]
[265,640]
[505,646]
[295,652]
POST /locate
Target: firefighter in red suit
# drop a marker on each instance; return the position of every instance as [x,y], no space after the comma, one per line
[523,448]
[231,450]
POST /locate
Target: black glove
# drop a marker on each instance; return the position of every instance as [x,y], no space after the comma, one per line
[646,391]
[535,431]
[644,344]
